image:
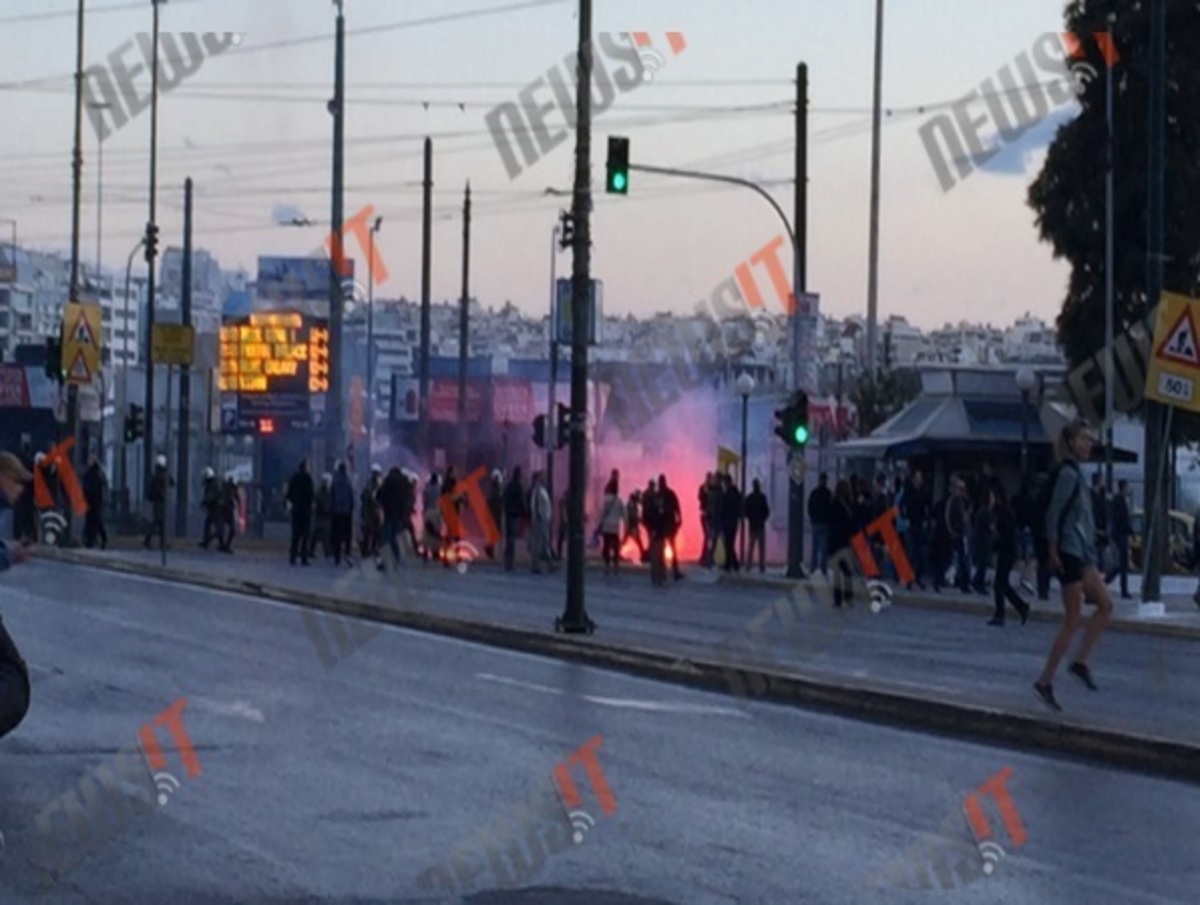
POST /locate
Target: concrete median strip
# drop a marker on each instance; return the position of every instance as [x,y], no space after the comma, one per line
[839,696]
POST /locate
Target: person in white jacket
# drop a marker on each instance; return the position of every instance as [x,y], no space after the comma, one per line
[612,520]
[540,511]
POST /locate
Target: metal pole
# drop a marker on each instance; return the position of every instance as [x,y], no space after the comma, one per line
[1155,542]
[125,382]
[575,618]
[371,346]
[551,428]
[796,490]
[463,332]
[742,519]
[148,442]
[876,136]
[426,261]
[1109,278]
[185,375]
[333,403]
[167,456]
[76,205]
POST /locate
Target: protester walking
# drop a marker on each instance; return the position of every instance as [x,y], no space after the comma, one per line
[341,516]
[820,503]
[731,519]
[94,486]
[15,688]
[300,495]
[757,513]
[396,501]
[1122,531]
[210,502]
[612,520]
[843,525]
[633,524]
[672,522]
[540,512]
[495,499]
[1070,532]
[227,511]
[371,517]
[160,485]
[323,518]
[1005,529]
[516,511]
[653,517]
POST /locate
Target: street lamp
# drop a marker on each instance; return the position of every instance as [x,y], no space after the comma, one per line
[371,339]
[745,386]
[1026,381]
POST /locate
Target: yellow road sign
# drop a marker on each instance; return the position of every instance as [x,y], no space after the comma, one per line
[1173,377]
[82,341]
[173,344]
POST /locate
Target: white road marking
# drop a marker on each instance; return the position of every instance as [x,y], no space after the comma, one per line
[242,709]
[622,703]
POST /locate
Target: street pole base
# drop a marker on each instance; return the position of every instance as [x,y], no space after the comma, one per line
[584,626]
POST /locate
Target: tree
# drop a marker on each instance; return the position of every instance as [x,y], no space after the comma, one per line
[1068,195]
[879,399]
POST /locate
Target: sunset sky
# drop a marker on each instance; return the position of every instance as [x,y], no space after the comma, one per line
[251,128]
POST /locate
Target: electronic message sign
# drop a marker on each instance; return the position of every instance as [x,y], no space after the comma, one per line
[273,364]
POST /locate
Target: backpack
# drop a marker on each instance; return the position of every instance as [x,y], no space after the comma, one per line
[1041,504]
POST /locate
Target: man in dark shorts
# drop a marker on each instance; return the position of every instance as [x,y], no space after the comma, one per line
[14,674]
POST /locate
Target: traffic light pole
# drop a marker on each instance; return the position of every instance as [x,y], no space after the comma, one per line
[151,255]
[575,619]
[795,567]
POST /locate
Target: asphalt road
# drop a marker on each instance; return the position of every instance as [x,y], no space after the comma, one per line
[347,784]
[1149,685]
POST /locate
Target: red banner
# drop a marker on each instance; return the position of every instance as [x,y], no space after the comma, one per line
[512,400]
[443,401]
[14,389]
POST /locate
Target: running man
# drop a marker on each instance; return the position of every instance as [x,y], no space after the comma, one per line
[1071,538]
[14,674]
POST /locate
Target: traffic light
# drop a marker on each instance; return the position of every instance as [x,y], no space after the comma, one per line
[618,166]
[564,426]
[151,242]
[539,431]
[134,426]
[54,368]
[792,427]
[567,233]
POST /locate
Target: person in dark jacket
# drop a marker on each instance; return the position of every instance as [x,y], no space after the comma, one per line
[757,513]
[943,542]
[396,501]
[914,507]
[322,519]
[93,494]
[1004,530]
[300,496]
[1122,531]
[673,521]
[14,673]
[495,506]
[210,502]
[371,518]
[820,502]
[653,517]
[516,512]
[731,518]
[341,515]
[958,522]
[160,485]
[227,511]
[843,525]
[982,541]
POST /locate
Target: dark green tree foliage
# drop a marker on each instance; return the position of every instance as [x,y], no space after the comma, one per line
[1068,196]
[879,399]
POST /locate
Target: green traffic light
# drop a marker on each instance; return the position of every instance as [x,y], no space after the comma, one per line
[801,434]
[619,181]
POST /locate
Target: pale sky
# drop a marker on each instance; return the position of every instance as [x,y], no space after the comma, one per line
[250,127]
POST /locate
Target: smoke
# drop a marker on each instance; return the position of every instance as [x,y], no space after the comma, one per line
[680,443]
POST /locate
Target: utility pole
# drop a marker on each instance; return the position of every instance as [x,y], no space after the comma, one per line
[1155,443]
[185,373]
[151,257]
[76,204]
[575,619]
[795,551]
[876,136]
[1109,278]
[552,393]
[464,333]
[333,398]
[426,261]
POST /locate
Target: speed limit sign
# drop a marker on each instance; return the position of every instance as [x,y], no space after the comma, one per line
[799,469]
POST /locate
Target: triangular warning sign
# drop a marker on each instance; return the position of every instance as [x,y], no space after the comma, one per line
[82,334]
[1180,344]
[79,369]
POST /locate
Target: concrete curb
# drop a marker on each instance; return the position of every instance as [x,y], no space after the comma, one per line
[951,604]
[871,702]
